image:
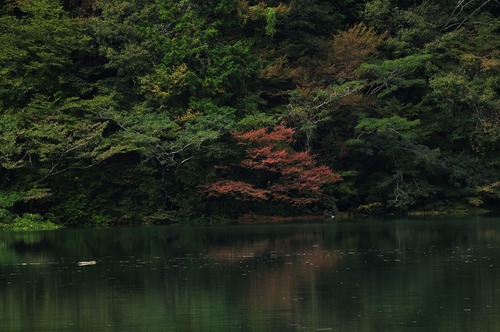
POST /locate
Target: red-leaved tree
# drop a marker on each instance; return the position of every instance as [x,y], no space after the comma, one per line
[278,172]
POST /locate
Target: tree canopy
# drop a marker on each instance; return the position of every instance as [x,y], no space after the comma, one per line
[158,111]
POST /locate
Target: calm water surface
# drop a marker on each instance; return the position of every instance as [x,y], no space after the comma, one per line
[397,275]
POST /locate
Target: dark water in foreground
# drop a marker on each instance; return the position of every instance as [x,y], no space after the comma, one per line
[400,275]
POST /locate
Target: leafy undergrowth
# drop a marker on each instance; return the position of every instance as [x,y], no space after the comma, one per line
[29,222]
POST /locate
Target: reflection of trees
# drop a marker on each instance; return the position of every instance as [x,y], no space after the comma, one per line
[369,276]
[279,270]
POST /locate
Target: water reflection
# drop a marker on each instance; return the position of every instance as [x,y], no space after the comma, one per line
[400,275]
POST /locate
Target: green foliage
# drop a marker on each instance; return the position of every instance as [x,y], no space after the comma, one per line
[393,146]
[391,75]
[31,222]
[270,21]
[370,209]
[8,199]
[116,111]
[309,22]
[394,127]
[39,42]
[309,109]
[11,200]
[409,28]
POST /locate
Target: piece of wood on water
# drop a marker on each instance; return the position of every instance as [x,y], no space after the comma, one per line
[85,263]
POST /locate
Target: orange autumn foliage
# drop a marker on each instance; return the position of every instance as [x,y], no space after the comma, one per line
[291,177]
[349,49]
[238,189]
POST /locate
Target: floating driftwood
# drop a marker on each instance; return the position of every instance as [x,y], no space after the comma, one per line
[87,263]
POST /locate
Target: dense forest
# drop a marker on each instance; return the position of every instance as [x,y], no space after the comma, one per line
[142,111]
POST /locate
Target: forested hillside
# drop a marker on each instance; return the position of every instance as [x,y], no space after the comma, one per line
[147,111]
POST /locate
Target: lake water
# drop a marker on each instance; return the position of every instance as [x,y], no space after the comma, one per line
[394,275]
